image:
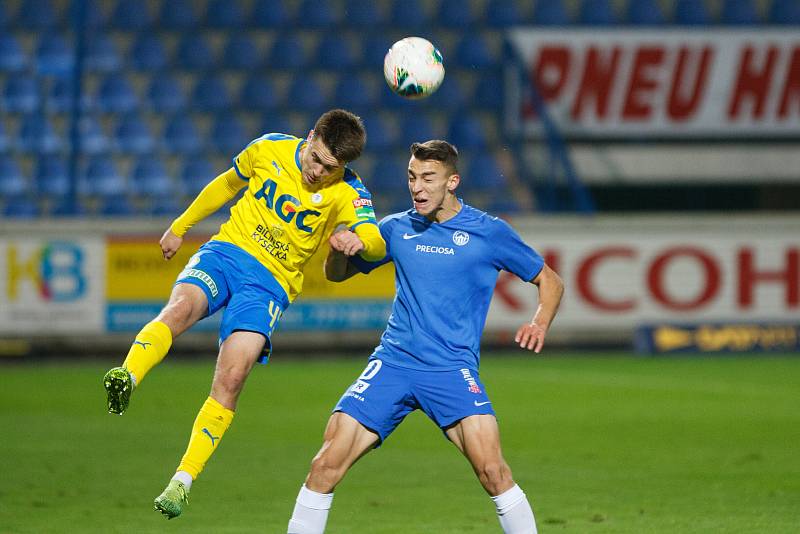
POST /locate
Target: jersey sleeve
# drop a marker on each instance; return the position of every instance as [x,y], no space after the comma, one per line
[245,162]
[213,196]
[512,254]
[365,266]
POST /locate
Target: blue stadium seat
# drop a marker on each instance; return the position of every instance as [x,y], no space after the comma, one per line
[5,140]
[784,12]
[148,53]
[21,207]
[381,134]
[390,175]
[116,206]
[101,178]
[739,13]
[279,123]
[211,94]
[450,95]
[503,204]
[150,178]
[503,13]
[194,52]
[93,139]
[165,94]
[317,14]
[335,52]
[37,15]
[228,135]
[489,91]
[116,95]
[550,13]
[485,173]
[178,15]
[54,55]
[409,14]
[182,135]
[20,95]
[5,18]
[467,132]
[258,92]
[288,51]
[131,15]
[597,13]
[37,134]
[94,15]
[416,128]
[270,15]
[374,50]
[12,56]
[473,51]
[52,177]
[355,94]
[645,13]
[196,173]
[12,180]
[101,54]
[691,13]
[166,205]
[361,14]
[133,135]
[58,96]
[224,14]
[306,93]
[455,14]
[241,52]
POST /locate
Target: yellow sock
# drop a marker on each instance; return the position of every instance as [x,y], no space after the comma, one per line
[211,423]
[151,345]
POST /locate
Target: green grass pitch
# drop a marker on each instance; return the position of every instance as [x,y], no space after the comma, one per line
[613,444]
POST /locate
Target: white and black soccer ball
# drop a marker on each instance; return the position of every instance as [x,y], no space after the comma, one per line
[413,68]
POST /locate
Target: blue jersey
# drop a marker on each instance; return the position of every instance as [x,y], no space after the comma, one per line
[445,278]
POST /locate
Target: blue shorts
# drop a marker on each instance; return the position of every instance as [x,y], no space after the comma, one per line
[233,278]
[384,394]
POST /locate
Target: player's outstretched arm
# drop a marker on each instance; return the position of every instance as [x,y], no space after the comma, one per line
[531,335]
[343,245]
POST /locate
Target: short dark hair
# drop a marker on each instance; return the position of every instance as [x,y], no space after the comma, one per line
[343,133]
[438,150]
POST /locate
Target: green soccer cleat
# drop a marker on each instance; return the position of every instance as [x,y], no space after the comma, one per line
[172,499]
[119,385]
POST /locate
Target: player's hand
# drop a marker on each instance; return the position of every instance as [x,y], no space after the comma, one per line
[346,242]
[531,336]
[170,243]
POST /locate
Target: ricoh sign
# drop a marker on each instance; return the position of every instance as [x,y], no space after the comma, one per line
[660,83]
[623,277]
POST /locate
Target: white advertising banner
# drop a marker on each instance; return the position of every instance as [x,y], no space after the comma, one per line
[619,275]
[52,286]
[660,83]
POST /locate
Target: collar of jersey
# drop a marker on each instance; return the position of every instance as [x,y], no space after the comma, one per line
[300,145]
[416,215]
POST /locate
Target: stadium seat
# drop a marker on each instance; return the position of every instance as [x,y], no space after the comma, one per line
[20,95]
[166,205]
[374,50]
[306,93]
[58,96]
[211,94]
[474,52]
[93,139]
[258,93]
[116,95]
[489,91]
[12,180]
[739,13]
[5,16]
[133,135]
[784,12]
[416,128]
[691,13]
[131,16]
[116,206]
[503,13]
[450,96]
[271,14]
[409,14]
[21,207]
[361,14]
[148,53]
[228,135]
[288,51]
[54,55]
[224,14]
[335,51]
[5,140]
[182,135]
[504,204]
[165,94]
[381,135]
[550,13]
[101,178]
[196,173]
[467,132]
[37,134]
[150,178]
[94,15]
[645,13]
[354,93]
[52,177]
[178,15]
[279,123]
[195,53]
[597,13]
[37,15]
[455,14]
[101,54]
[485,173]
[390,175]
[317,14]
[12,56]
[241,52]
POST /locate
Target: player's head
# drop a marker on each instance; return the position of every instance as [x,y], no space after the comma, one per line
[433,176]
[338,137]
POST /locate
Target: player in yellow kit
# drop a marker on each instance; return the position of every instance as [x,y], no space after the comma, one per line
[298,192]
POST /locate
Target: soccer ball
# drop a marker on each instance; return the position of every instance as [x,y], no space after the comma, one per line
[413,67]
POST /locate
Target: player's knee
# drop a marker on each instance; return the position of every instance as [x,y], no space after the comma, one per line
[494,476]
[177,314]
[325,471]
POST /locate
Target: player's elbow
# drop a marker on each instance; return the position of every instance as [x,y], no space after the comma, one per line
[550,283]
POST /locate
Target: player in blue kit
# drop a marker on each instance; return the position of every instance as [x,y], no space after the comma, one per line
[447,256]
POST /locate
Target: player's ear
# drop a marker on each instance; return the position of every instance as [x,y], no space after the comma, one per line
[310,135]
[452,182]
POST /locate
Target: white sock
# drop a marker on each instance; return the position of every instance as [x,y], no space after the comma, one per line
[310,512]
[514,512]
[183,476]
